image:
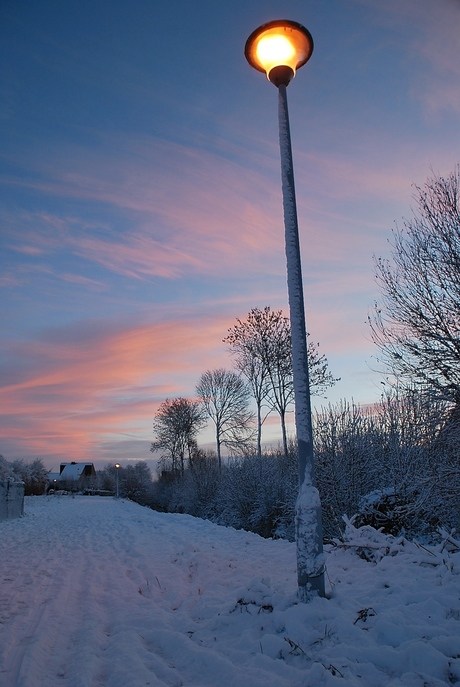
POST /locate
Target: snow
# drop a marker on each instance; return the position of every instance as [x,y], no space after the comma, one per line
[103,592]
[310,556]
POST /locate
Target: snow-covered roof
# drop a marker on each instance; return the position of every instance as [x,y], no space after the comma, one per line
[73,470]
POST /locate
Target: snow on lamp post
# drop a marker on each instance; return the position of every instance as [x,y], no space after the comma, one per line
[278,49]
[117,467]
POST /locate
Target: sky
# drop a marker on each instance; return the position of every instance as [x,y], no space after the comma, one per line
[140,197]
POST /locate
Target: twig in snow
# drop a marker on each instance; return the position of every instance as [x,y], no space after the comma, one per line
[420,546]
[333,670]
[296,650]
[364,614]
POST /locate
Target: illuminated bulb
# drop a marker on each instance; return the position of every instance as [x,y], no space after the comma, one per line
[274,50]
[279,48]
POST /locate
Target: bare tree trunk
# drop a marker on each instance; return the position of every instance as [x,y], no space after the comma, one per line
[259,431]
[283,432]
[218,445]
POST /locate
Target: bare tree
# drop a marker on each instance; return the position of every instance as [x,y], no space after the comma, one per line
[416,324]
[262,348]
[225,396]
[176,426]
[247,341]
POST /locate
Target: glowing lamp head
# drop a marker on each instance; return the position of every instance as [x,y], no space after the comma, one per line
[279,48]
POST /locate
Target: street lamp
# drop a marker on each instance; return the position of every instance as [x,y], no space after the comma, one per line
[278,49]
[117,467]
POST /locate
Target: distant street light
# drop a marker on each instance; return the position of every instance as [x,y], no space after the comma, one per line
[278,49]
[117,466]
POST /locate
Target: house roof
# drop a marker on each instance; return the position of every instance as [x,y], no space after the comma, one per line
[73,470]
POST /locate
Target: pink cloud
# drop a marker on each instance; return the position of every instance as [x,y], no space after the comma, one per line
[83,281]
[79,387]
[76,387]
[139,256]
[27,250]
[184,210]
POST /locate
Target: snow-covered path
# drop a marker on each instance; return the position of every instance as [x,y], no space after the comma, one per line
[104,593]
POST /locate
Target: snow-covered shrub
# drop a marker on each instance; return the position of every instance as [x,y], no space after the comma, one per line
[372,545]
[366,541]
[347,445]
[7,470]
[134,481]
[33,474]
[259,493]
[252,493]
[389,512]
[395,465]
[403,452]
[193,491]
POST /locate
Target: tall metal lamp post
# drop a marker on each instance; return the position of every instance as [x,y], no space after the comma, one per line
[278,49]
[117,467]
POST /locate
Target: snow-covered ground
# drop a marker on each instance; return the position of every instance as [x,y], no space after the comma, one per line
[98,592]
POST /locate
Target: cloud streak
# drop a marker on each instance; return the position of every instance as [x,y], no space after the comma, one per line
[182,210]
[75,387]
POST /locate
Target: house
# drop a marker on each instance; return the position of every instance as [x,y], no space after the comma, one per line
[73,477]
[76,472]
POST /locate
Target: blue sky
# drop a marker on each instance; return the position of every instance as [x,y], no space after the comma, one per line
[140,200]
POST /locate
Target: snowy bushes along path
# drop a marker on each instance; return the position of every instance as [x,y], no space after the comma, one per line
[103,593]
